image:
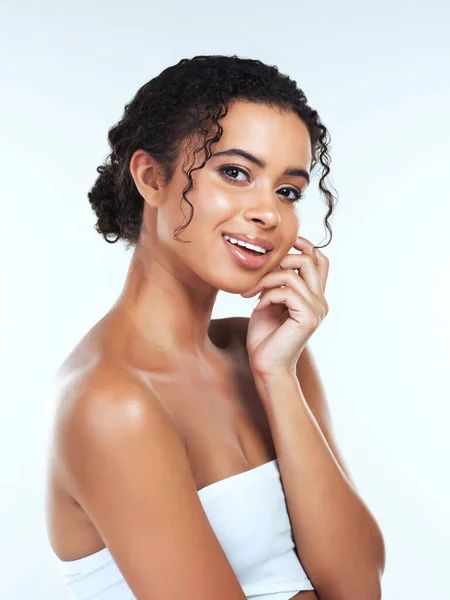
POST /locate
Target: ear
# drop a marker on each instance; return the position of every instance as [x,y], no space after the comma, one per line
[148,177]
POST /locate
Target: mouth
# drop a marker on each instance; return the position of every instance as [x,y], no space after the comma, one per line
[247,257]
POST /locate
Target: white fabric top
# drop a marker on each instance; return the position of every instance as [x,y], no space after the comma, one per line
[249,516]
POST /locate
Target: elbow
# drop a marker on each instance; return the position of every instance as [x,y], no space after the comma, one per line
[370,592]
[376,592]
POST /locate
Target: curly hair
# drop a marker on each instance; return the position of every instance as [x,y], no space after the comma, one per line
[184,100]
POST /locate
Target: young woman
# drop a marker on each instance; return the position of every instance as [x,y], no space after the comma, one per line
[193,459]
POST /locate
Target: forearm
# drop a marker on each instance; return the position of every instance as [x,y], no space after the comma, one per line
[338,541]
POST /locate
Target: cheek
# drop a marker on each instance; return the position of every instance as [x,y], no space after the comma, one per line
[295,223]
[213,203]
[289,221]
[292,231]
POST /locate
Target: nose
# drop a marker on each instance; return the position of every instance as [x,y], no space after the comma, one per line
[263,208]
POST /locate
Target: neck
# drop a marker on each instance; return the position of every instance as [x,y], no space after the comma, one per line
[166,306]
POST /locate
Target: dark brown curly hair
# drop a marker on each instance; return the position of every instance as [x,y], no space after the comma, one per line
[184,100]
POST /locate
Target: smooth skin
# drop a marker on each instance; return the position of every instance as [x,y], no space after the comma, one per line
[158,400]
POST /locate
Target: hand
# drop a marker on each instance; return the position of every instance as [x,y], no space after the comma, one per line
[286,317]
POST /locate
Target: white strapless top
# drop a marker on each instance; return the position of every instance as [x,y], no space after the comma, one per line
[248,513]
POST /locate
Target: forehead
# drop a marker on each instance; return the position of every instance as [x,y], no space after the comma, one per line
[267,132]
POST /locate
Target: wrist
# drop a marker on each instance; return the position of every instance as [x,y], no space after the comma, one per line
[275,384]
[274,376]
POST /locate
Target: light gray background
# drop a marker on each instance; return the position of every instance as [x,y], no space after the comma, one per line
[378,75]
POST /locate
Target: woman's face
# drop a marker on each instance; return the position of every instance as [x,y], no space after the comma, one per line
[233,194]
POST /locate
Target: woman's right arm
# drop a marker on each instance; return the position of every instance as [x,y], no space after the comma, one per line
[127,467]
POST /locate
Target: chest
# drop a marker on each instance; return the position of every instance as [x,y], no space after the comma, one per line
[220,418]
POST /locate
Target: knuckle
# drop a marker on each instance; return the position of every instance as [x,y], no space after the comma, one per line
[310,259]
[320,253]
[315,319]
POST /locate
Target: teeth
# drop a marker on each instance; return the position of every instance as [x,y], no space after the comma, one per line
[245,244]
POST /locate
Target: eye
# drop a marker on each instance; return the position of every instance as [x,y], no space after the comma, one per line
[231,168]
[297,195]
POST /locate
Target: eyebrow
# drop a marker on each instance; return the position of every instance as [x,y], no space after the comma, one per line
[258,161]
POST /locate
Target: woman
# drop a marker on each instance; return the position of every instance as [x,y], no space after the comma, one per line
[193,458]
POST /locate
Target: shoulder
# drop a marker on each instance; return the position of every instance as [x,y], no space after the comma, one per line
[231,333]
[102,411]
[108,387]
[235,328]
[127,468]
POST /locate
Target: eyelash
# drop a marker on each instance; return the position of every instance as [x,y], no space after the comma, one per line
[299,195]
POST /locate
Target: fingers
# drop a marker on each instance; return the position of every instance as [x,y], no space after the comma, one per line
[291,280]
[307,270]
[312,267]
[313,312]
[320,260]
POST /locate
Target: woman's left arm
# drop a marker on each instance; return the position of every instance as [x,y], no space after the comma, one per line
[338,540]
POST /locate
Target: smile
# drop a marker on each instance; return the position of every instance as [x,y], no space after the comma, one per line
[246,257]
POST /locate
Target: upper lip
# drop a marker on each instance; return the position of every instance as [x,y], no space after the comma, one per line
[251,238]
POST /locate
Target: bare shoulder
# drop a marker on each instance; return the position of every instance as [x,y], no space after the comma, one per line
[234,328]
[239,326]
[101,403]
[126,465]
[225,329]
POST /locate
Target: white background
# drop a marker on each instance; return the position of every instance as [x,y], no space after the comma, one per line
[378,75]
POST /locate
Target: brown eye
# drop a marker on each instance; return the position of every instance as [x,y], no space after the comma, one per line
[298,195]
[231,168]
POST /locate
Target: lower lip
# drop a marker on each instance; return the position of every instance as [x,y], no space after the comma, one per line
[246,259]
